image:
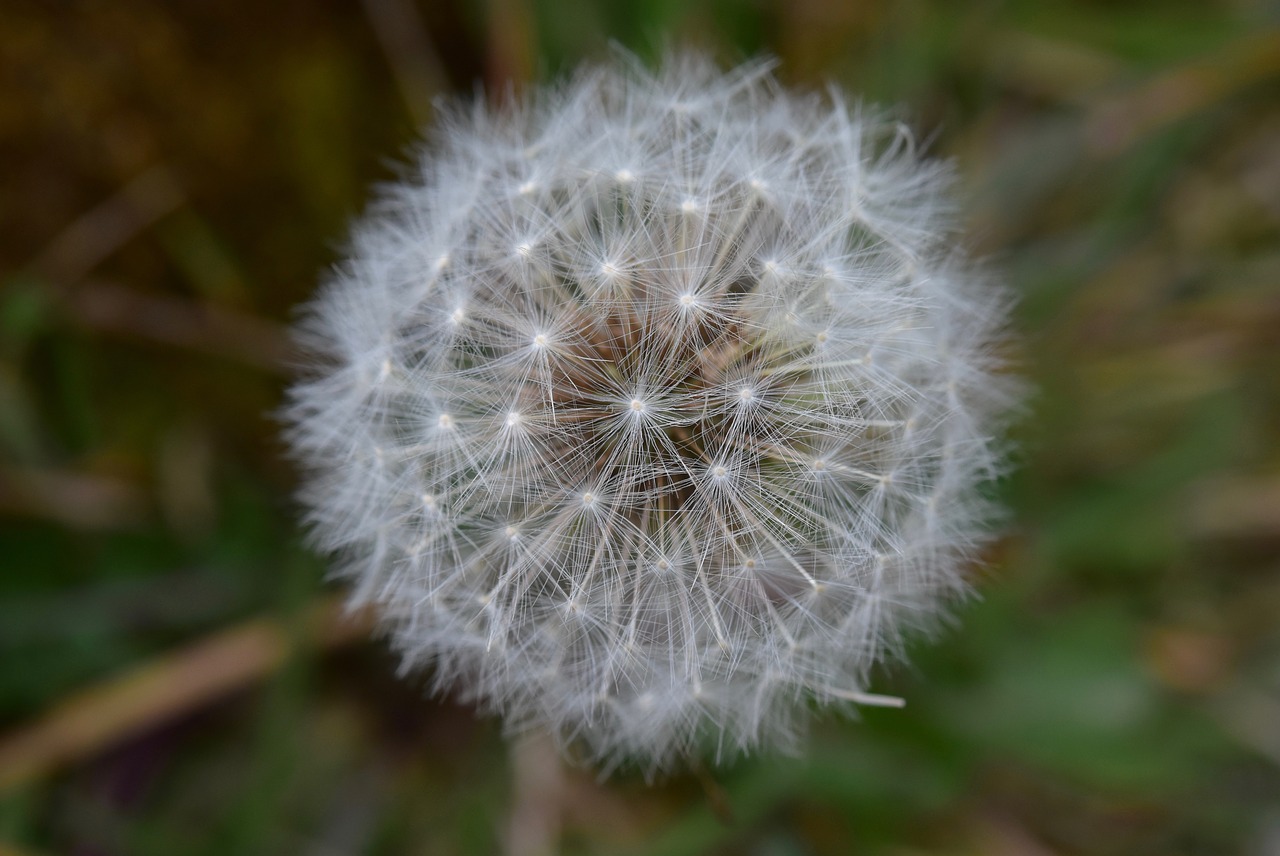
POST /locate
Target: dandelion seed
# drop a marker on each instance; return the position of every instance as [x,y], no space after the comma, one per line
[755,467]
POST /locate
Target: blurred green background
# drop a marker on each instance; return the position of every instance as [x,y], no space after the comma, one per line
[174,678]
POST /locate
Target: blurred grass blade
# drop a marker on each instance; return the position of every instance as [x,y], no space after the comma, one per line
[99,232]
[167,687]
[1177,93]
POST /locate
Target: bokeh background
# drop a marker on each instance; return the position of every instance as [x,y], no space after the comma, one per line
[175,677]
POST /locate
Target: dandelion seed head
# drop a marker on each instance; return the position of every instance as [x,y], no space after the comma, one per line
[686,429]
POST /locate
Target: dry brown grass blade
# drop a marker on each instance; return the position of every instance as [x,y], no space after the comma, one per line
[73,499]
[7,849]
[1172,95]
[400,30]
[94,236]
[168,687]
[511,45]
[107,307]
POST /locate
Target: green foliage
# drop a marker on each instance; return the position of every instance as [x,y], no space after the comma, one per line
[1115,687]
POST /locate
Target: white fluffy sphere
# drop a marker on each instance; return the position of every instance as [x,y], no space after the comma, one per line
[655,407]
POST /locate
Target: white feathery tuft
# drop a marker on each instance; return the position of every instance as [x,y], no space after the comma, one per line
[655,406]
